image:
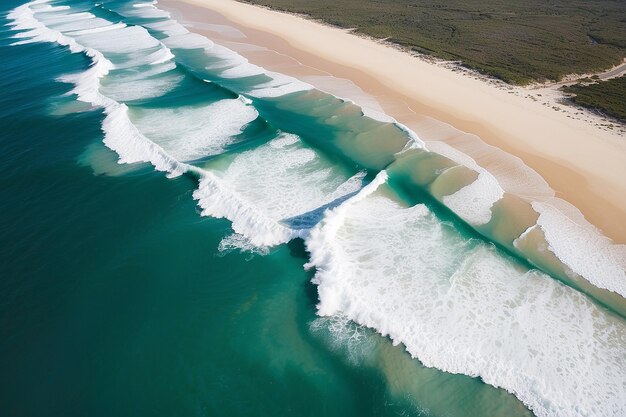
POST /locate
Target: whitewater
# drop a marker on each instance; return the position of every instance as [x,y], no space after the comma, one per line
[517,306]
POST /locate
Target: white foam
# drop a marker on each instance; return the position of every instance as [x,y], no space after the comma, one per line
[323,234]
[125,40]
[168,27]
[178,37]
[125,139]
[73,17]
[87,83]
[60,24]
[230,65]
[344,335]
[120,134]
[44,8]
[23,18]
[187,41]
[284,140]
[235,241]
[227,63]
[279,85]
[141,86]
[349,91]
[225,58]
[161,56]
[274,193]
[217,200]
[91,33]
[242,70]
[144,10]
[473,202]
[99,29]
[224,30]
[140,5]
[134,73]
[460,306]
[192,132]
[581,246]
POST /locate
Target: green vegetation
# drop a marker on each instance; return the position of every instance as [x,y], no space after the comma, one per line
[609,97]
[516,41]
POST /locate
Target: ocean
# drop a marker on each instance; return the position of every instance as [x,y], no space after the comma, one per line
[185,233]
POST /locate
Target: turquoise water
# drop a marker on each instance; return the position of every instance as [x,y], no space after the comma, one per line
[223,268]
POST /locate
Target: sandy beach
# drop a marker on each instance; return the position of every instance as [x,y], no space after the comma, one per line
[583,163]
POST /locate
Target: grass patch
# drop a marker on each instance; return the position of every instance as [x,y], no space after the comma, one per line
[606,96]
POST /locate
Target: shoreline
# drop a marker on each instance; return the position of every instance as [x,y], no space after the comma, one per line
[582,163]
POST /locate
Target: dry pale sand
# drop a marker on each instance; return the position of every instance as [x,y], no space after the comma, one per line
[584,164]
